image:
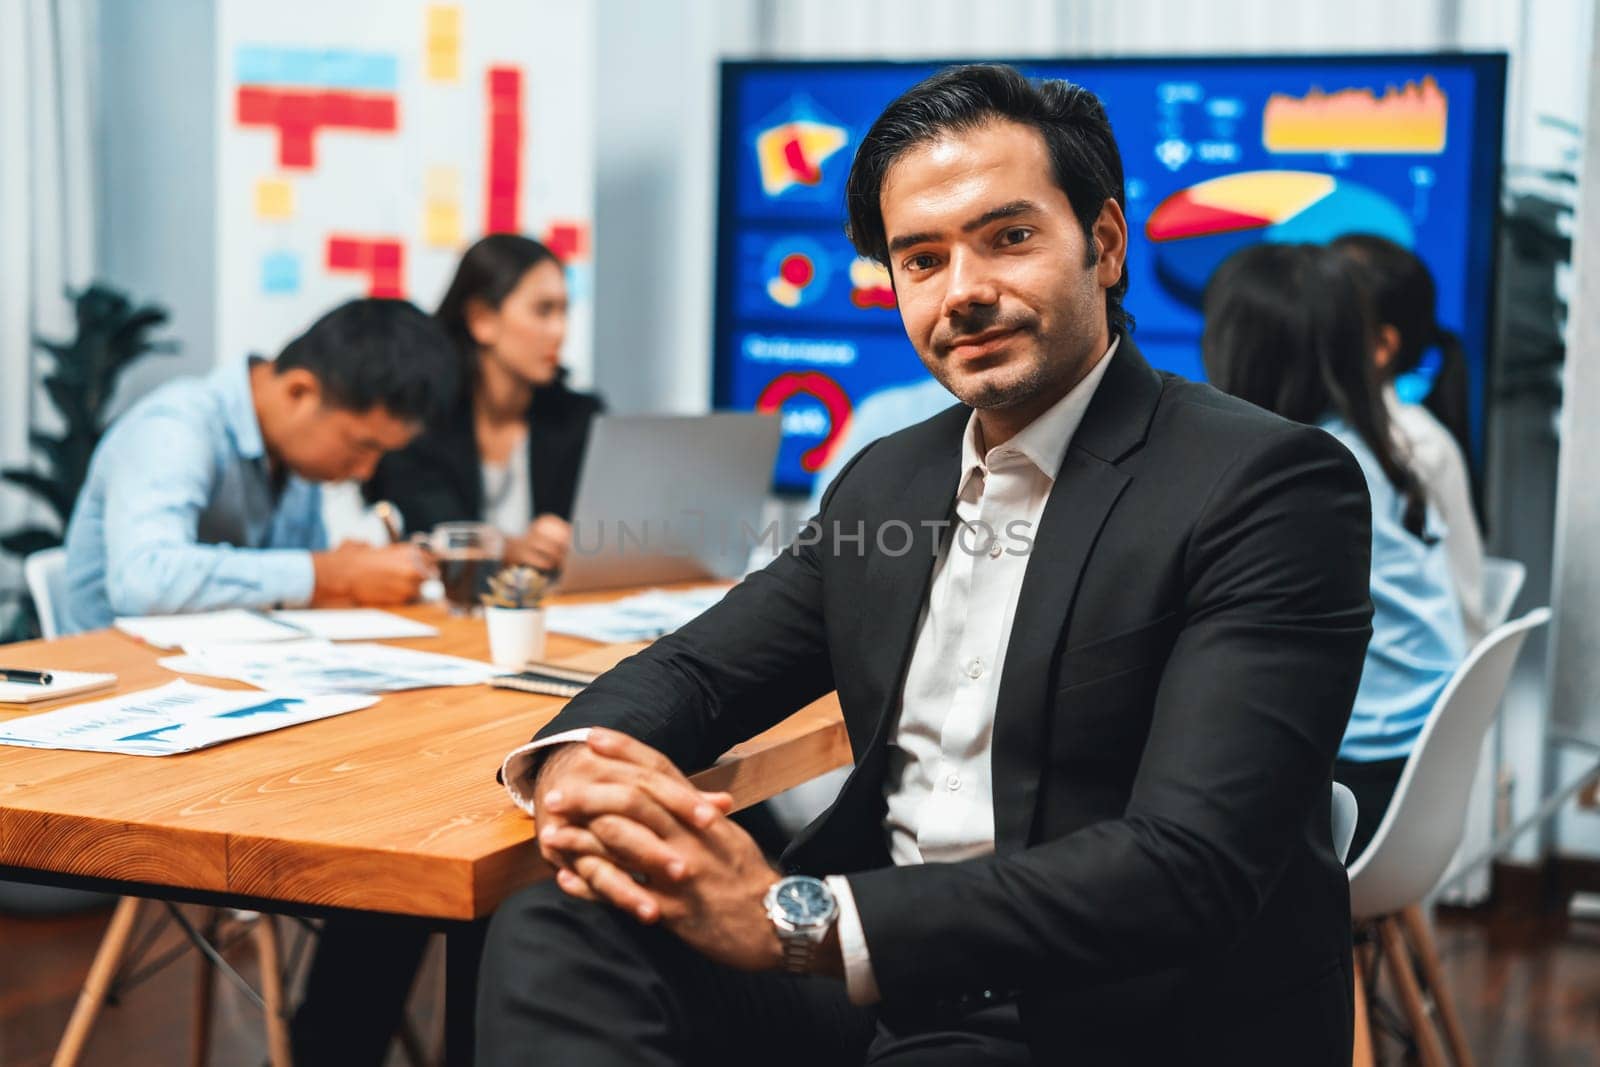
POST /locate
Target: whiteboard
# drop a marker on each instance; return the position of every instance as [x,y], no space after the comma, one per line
[362,145]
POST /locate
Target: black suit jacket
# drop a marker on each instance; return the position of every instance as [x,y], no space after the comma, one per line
[438,477]
[1186,648]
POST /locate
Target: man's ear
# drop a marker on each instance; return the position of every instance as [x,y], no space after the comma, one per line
[300,387]
[1110,235]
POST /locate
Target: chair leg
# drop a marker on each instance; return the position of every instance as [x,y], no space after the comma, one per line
[1404,973]
[204,985]
[1363,1044]
[1416,928]
[107,958]
[266,936]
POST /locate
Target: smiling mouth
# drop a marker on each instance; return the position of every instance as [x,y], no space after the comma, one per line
[983,344]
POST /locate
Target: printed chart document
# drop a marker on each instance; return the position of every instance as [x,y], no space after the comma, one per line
[324,667]
[177,717]
[641,617]
[238,626]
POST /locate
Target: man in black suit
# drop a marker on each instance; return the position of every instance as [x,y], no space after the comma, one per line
[1096,633]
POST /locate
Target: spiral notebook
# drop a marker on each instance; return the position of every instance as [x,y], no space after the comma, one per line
[545,679]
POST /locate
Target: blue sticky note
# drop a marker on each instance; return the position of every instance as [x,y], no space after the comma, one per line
[280,273]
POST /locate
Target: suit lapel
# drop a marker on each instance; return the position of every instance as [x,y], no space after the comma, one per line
[900,583]
[1086,488]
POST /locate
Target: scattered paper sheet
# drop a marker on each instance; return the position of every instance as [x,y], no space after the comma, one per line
[238,626]
[641,617]
[213,627]
[323,667]
[354,624]
[177,717]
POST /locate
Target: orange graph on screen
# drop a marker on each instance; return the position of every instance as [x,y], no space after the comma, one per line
[820,387]
[1405,119]
[793,153]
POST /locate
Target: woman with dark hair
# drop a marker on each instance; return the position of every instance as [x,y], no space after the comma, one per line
[1288,328]
[506,453]
[509,452]
[1434,432]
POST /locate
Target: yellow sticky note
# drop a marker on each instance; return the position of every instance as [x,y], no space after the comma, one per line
[443,42]
[274,198]
[441,225]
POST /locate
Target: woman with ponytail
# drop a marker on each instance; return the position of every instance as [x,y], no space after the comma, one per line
[1435,432]
[1288,328]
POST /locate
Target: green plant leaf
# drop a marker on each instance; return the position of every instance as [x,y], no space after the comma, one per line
[25,542]
[52,492]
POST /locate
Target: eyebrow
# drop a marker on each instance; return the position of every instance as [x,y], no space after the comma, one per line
[1004,211]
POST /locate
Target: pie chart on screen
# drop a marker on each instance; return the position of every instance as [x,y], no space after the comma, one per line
[1192,231]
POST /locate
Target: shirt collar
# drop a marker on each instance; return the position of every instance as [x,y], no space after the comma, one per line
[1043,442]
[232,383]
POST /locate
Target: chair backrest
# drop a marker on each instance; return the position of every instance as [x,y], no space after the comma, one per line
[46,572]
[1345,811]
[1425,822]
[1502,581]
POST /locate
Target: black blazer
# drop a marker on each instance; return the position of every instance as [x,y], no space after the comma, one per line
[438,477]
[1186,648]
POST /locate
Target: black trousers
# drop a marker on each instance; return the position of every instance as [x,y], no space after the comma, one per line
[356,991]
[565,982]
[1373,784]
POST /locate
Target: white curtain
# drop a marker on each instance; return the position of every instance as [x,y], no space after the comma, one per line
[47,178]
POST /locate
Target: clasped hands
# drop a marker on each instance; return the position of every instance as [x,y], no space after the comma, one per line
[621,824]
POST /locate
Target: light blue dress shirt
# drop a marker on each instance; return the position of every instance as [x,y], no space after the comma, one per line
[1418,639]
[885,412]
[178,513]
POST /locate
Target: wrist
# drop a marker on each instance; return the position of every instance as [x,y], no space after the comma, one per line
[329,580]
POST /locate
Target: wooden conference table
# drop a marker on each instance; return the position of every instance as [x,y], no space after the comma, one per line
[390,809]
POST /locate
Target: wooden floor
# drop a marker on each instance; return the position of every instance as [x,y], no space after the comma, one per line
[1528,989]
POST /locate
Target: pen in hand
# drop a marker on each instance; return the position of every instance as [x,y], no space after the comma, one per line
[10,674]
[391,522]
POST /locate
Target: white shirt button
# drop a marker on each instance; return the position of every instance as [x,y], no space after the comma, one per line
[975,668]
[995,549]
[953,782]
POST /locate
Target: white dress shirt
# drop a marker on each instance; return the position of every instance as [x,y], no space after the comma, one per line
[938,786]
[1436,460]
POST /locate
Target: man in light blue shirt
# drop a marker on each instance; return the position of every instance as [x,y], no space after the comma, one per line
[203,495]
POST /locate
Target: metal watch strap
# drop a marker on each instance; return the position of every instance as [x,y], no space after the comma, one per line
[798,952]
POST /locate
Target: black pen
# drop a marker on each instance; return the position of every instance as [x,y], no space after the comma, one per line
[9,674]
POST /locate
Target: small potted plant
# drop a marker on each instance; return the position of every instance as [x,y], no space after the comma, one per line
[513,612]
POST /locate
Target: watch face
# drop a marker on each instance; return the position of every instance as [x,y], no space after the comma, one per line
[804,900]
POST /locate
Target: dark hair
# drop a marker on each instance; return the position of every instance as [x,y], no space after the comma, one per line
[1288,328]
[1071,119]
[374,353]
[1404,297]
[488,271]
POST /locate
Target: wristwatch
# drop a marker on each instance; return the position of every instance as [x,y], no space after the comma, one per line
[803,910]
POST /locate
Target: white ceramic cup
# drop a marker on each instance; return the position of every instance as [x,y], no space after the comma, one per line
[516,636]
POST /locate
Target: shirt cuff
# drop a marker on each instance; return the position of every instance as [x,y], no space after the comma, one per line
[859,981]
[516,771]
[290,575]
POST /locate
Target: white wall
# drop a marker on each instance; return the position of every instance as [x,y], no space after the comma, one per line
[655,208]
[156,188]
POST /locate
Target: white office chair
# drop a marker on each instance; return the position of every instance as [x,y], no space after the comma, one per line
[1418,836]
[46,573]
[1502,581]
[1344,820]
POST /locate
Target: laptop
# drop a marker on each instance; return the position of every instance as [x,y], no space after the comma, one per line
[669,498]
